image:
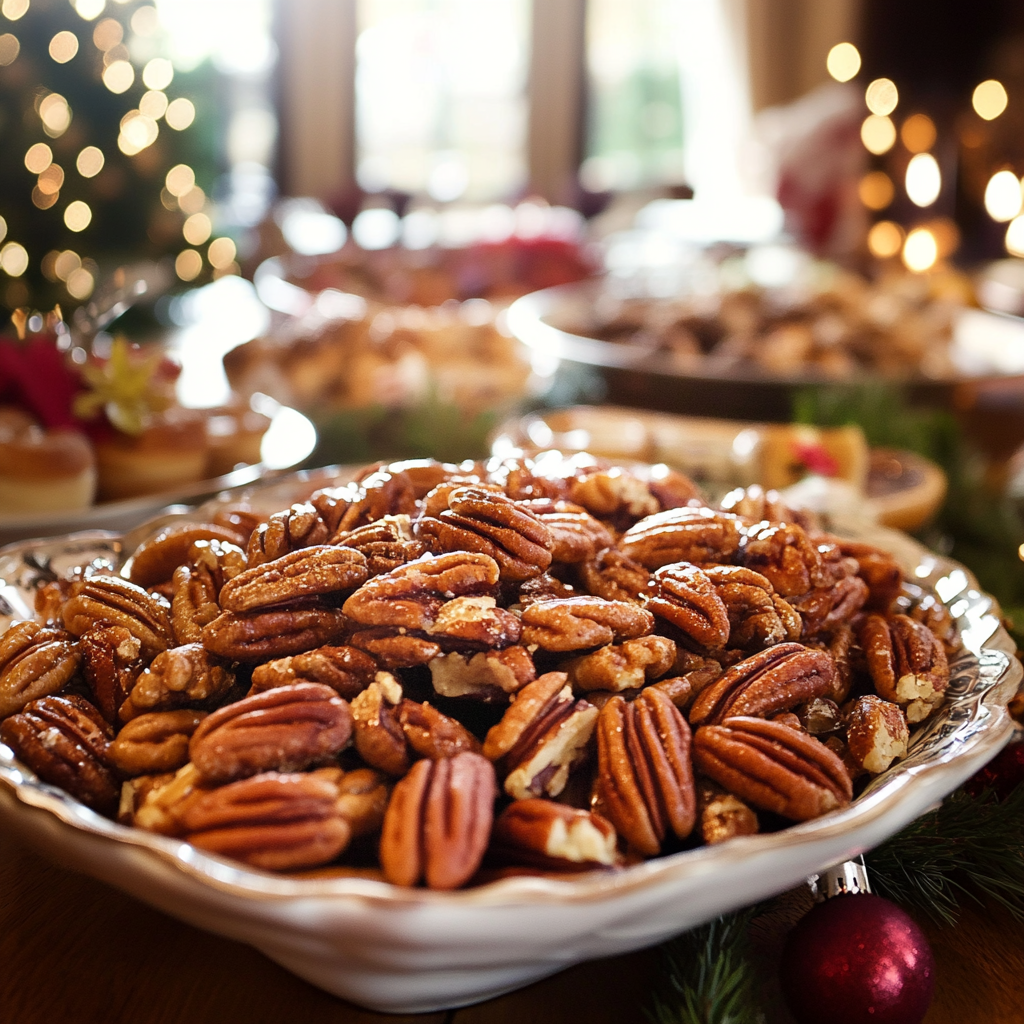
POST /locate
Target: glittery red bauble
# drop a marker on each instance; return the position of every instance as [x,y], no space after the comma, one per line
[857,960]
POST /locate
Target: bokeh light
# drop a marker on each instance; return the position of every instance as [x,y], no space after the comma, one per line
[55,114]
[1015,237]
[66,264]
[51,180]
[118,76]
[180,179]
[876,190]
[153,104]
[192,201]
[9,48]
[188,265]
[920,250]
[44,200]
[90,162]
[13,259]
[63,46]
[180,114]
[885,239]
[137,132]
[878,134]
[145,21]
[843,61]
[80,284]
[882,96]
[89,9]
[221,253]
[12,10]
[3,229]
[923,180]
[918,133]
[158,73]
[77,216]
[989,99]
[38,157]
[197,229]
[107,34]
[1003,196]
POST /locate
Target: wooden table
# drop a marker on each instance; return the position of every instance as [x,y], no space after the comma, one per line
[74,951]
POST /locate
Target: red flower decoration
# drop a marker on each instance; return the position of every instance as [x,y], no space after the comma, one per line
[34,375]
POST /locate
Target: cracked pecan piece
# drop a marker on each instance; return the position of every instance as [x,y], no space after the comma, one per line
[111,664]
[433,734]
[695,674]
[66,741]
[274,633]
[486,675]
[684,595]
[438,822]
[552,837]
[196,587]
[722,815]
[614,576]
[644,775]
[931,612]
[786,556]
[345,670]
[825,608]
[776,679]
[363,796]
[773,767]
[110,600]
[300,526]
[878,569]
[35,661]
[626,666]
[576,623]
[758,617]
[386,543]
[181,677]
[614,495]
[690,534]
[155,742]
[877,733]
[378,733]
[155,560]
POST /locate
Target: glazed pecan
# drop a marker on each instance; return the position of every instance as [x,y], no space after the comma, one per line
[184,676]
[575,623]
[694,675]
[277,822]
[392,648]
[522,479]
[331,504]
[300,526]
[113,601]
[438,822]
[485,675]
[386,544]
[784,554]
[34,662]
[380,494]
[757,504]
[614,576]
[495,525]
[155,742]
[576,536]
[344,669]
[626,666]
[773,767]
[379,736]
[544,587]
[878,569]
[285,729]
[758,617]
[432,734]
[689,534]
[436,500]
[722,815]
[839,643]
[275,633]
[362,799]
[541,737]
[820,716]
[826,608]
[422,475]
[683,595]
[475,622]
[155,560]
[776,679]
[240,519]
[66,741]
[193,604]
[155,802]
[877,733]
[553,837]
[907,663]
[111,663]
[615,495]
[930,612]
[644,776]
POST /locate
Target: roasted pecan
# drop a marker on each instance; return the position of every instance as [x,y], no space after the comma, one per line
[839,643]
[344,669]
[34,661]
[110,600]
[432,734]
[644,776]
[155,802]
[774,680]
[155,742]
[111,663]
[553,837]
[877,733]
[626,666]
[275,633]
[784,554]
[722,815]
[300,526]
[422,475]
[155,561]
[773,767]
[826,608]
[615,495]
[689,534]
[575,623]
[49,600]
[392,648]
[436,500]
[757,504]
[273,821]
[386,544]
[217,560]
[66,741]
[475,622]
[438,822]
[907,663]
[381,493]
[186,676]
[758,617]
[522,479]
[931,612]
[379,736]
[695,674]
[486,675]
[240,519]
[576,536]
[541,737]
[362,799]
[820,716]
[544,587]
[614,576]
[284,729]
[878,569]
[193,604]
[683,595]
[331,504]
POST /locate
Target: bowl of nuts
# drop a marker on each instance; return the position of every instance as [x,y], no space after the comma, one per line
[424,733]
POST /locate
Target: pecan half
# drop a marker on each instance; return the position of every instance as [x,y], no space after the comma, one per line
[193,604]
[486,675]
[644,776]
[575,623]
[65,741]
[758,617]
[285,729]
[155,561]
[393,649]
[615,495]
[722,815]
[113,601]
[381,493]
[774,680]
[344,669]
[878,569]
[931,612]
[877,733]
[275,633]
[683,595]
[331,504]
[300,526]
[155,802]
[111,663]
[34,662]
[438,822]
[386,544]
[689,534]
[475,622]
[576,536]
[432,734]
[379,736]
[614,576]
[544,587]
[757,504]
[553,837]
[626,666]
[363,796]
[696,674]
[155,742]
[773,767]
[825,608]
[181,677]
[786,556]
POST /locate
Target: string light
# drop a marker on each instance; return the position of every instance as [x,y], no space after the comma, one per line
[107,34]
[158,73]
[188,265]
[63,47]
[90,162]
[9,48]
[180,179]
[881,96]
[221,253]
[918,133]
[885,239]
[920,250]
[989,99]
[77,216]
[1003,196]
[12,10]
[38,157]
[3,229]
[197,229]
[13,259]
[180,114]
[878,134]
[118,76]
[923,180]
[876,190]
[843,61]
[153,104]
[1015,237]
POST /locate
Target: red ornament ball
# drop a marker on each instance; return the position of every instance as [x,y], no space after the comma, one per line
[857,960]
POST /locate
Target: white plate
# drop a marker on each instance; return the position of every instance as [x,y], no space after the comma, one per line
[404,950]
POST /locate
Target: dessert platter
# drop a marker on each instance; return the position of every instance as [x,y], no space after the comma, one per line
[423,733]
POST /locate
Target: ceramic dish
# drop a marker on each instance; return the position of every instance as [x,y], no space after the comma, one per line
[404,950]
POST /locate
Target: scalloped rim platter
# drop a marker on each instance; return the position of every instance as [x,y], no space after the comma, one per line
[407,950]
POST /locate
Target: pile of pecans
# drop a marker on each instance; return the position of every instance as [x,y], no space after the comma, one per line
[443,674]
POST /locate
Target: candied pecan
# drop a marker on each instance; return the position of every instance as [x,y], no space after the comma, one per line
[274,633]
[346,670]
[155,560]
[931,612]
[66,741]
[218,560]
[820,716]
[644,776]
[776,679]
[757,504]
[541,737]
[154,742]
[432,734]
[379,737]
[380,494]
[393,648]
[722,815]
[688,534]
[485,675]
[626,666]
[241,520]
[544,587]
[436,500]
[422,475]
[438,822]
[113,601]
[49,600]
[907,663]
[576,536]
[300,526]
[554,837]
[111,663]
[363,796]
[878,569]
[331,503]
[877,733]
[273,821]
[181,677]
[614,576]
[34,661]
[683,595]
[197,586]
[671,488]
[615,495]
[838,643]
[386,544]
[786,556]
[519,478]
[773,767]
[758,617]
[158,800]
[495,525]
[696,674]
[575,623]
[825,608]
[475,621]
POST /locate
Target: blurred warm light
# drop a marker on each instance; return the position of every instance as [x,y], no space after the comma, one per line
[51,179]
[77,216]
[48,263]
[44,200]
[920,250]
[221,253]
[180,114]
[188,265]
[12,10]
[878,134]
[918,133]
[876,190]
[9,47]
[55,114]
[158,73]
[63,47]
[118,76]
[1014,237]
[89,9]
[153,104]
[885,239]
[1003,196]
[137,132]
[376,228]
[116,53]
[946,235]
[231,269]
[145,21]
[3,229]
[197,229]
[13,259]
[180,179]
[90,162]
[66,264]
[38,157]
[881,96]
[192,201]
[80,284]
[989,99]
[843,61]
[107,34]
[924,179]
